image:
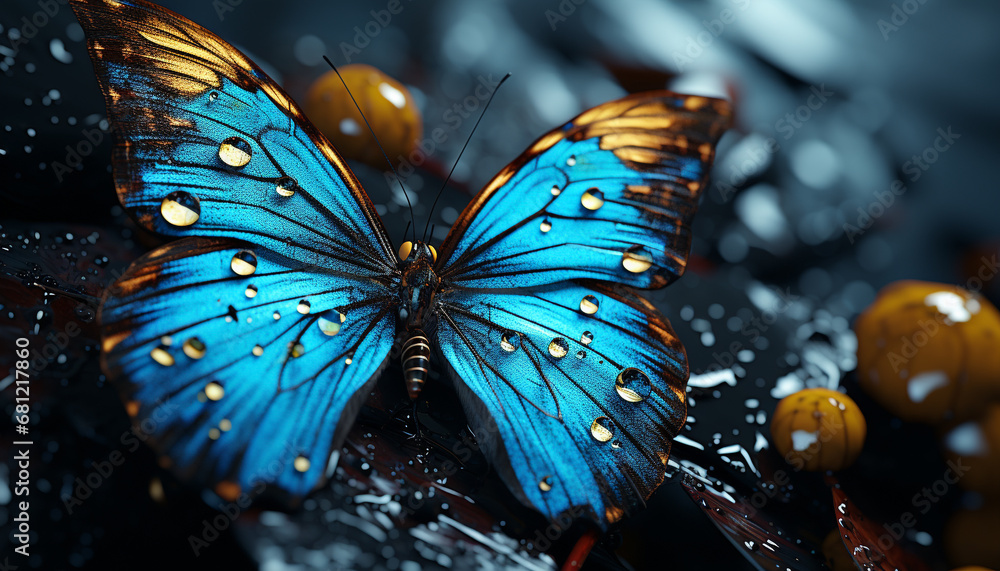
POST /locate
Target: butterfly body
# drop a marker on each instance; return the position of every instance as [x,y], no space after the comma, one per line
[418,287]
[252,339]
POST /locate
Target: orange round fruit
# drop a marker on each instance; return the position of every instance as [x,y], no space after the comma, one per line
[927,352]
[973,451]
[835,553]
[387,104]
[970,538]
[818,429]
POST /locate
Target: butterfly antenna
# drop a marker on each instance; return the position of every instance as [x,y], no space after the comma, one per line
[372,131]
[452,171]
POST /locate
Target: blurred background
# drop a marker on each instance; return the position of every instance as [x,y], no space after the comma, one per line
[861,154]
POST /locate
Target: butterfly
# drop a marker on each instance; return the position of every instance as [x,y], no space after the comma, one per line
[246,346]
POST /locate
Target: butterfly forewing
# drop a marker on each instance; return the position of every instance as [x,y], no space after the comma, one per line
[208,145]
[609,196]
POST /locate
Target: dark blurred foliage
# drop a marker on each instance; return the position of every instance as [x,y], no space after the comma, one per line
[835,100]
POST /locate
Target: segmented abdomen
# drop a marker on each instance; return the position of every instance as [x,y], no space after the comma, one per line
[416,362]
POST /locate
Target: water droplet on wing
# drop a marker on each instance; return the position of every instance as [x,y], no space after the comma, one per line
[633,385]
[244,263]
[602,429]
[235,152]
[558,348]
[180,208]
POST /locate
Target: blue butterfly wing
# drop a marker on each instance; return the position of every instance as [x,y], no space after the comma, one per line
[578,388]
[609,196]
[208,145]
[243,380]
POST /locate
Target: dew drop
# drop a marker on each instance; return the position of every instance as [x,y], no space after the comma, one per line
[589,304]
[244,263]
[213,96]
[637,259]
[303,307]
[286,186]
[161,356]
[586,338]
[235,152]
[616,444]
[251,291]
[257,350]
[558,348]
[329,322]
[546,225]
[225,425]
[571,161]
[545,484]
[633,385]
[602,429]
[556,191]
[276,315]
[180,208]
[296,350]
[592,199]
[510,341]
[301,463]
[194,348]
[214,433]
[214,391]
[581,354]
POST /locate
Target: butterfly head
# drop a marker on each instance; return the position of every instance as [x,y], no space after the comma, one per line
[416,253]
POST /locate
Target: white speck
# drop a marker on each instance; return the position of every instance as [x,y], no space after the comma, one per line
[803,439]
[787,385]
[923,538]
[395,96]
[349,126]
[924,384]
[952,305]
[713,379]
[58,51]
[967,440]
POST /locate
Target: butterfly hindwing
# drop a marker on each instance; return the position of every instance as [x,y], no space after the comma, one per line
[243,378]
[609,196]
[584,385]
[208,145]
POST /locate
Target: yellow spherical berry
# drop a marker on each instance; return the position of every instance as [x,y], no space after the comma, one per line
[927,351]
[973,449]
[970,538]
[387,104]
[835,553]
[818,429]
